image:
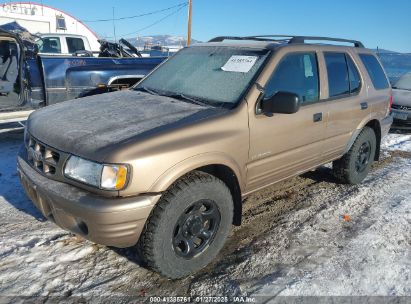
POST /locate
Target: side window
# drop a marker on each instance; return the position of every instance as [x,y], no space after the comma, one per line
[374,69]
[354,75]
[49,45]
[75,44]
[338,80]
[296,73]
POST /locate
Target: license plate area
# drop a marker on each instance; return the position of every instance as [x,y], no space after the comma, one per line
[399,115]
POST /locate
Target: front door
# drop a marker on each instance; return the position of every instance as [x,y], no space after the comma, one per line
[282,145]
[9,73]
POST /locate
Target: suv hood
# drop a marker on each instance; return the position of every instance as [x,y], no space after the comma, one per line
[90,127]
[402,97]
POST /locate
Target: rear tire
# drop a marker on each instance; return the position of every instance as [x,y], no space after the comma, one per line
[188,227]
[354,166]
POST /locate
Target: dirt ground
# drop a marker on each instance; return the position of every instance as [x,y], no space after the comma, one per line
[293,241]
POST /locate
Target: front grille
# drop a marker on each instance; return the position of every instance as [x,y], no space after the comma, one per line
[43,158]
[404,108]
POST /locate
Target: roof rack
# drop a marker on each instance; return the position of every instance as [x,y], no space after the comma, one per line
[290,39]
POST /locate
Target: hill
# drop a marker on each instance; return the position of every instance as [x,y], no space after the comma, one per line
[164,40]
[395,64]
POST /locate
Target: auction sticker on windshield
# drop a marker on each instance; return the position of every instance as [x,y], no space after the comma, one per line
[239,64]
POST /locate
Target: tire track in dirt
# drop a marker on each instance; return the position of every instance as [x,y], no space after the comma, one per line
[275,225]
[266,214]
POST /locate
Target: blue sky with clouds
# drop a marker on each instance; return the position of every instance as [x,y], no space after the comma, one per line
[382,23]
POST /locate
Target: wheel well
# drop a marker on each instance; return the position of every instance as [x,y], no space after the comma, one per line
[124,83]
[375,125]
[228,176]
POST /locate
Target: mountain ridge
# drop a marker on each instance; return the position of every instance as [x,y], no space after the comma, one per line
[164,40]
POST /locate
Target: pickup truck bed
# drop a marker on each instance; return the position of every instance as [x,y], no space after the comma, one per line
[55,79]
[29,81]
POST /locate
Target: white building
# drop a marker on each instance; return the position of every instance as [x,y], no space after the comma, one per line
[39,18]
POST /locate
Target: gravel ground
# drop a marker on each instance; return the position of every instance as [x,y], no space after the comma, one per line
[293,242]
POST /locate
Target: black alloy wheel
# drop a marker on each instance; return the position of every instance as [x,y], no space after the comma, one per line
[196,228]
[363,157]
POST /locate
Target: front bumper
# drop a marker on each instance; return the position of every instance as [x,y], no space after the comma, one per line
[401,123]
[114,222]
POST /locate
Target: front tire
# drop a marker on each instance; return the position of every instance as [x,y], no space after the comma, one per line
[189,225]
[354,166]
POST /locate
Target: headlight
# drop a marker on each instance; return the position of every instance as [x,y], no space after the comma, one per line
[108,177]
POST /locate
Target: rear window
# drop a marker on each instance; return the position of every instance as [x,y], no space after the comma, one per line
[338,80]
[75,44]
[374,69]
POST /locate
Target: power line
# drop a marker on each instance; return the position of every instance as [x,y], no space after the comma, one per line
[154,23]
[180,5]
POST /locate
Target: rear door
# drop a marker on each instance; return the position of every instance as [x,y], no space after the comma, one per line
[347,102]
[282,145]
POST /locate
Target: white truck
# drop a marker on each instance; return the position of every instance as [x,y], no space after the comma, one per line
[63,44]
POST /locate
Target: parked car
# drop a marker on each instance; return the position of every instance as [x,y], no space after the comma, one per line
[401,107]
[29,80]
[166,165]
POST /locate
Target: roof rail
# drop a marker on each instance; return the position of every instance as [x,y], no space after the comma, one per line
[290,39]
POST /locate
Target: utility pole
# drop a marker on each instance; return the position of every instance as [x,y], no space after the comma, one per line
[190,9]
[114,27]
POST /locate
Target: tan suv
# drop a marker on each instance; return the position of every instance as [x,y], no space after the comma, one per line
[166,165]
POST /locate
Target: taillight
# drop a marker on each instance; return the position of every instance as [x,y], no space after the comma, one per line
[391,101]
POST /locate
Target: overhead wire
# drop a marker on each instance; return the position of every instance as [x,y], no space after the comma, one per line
[180,5]
[154,23]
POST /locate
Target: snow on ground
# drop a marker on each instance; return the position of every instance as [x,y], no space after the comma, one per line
[369,255]
[293,242]
[400,142]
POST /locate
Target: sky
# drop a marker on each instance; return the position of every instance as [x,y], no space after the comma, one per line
[382,23]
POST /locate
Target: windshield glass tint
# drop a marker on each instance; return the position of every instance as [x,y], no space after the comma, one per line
[404,83]
[296,73]
[214,74]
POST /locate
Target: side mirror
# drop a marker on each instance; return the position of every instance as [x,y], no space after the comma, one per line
[281,102]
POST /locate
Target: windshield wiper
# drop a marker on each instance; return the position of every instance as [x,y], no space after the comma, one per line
[181,96]
[397,88]
[145,89]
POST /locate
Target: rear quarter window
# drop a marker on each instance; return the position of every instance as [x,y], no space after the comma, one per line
[75,44]
[374,69]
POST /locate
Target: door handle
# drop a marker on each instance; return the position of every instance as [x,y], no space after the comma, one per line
[318,117]
[364,106]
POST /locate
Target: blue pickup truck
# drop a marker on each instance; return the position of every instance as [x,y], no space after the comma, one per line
[29,80]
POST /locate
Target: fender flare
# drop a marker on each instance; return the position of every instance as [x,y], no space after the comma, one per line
[187,165]
[358,130]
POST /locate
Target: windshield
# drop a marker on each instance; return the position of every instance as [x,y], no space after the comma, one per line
[404,83]
[212,75]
